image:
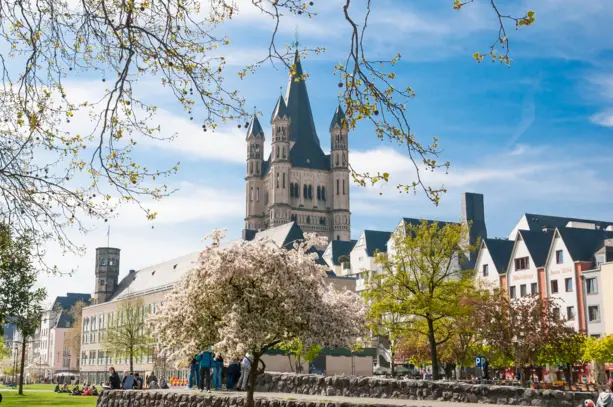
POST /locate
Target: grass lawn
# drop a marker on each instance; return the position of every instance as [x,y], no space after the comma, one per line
[43,395]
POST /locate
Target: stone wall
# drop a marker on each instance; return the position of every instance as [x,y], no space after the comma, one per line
[365,387]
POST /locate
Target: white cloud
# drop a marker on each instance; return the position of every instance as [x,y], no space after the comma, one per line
[603,119]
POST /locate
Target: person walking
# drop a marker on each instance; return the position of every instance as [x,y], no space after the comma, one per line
[194,374]
[205,362]
[233,373]
[243,381]
[114,381]
[217,372]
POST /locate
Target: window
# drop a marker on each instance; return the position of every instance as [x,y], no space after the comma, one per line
[318,193]
[554,286]
[593,313]
[556,313]
[277,180]
[486,271]
[592,287]
[310,192]
[522,290]
[512,292]
[337,187]
[102,262]
[343,187]
[534,289]
[251,193]
[338,237]
[568,284]
[570,313]
[257,198]
[521,263]
[595,336]
[323,193]
[102,282]
[305,191]
[283,180]
[559,256]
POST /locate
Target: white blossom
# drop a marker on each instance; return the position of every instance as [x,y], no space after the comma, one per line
[251,295]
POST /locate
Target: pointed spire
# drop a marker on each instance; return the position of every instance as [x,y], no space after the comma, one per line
[280,111]
[339,120]
[254,131]
[299,107]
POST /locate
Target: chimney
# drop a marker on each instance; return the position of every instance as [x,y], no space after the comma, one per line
[473,212]
[132,271]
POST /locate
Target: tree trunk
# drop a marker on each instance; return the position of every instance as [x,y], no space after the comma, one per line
[131,361]
[22,366]
[433,353]
[392,368]
[253,374]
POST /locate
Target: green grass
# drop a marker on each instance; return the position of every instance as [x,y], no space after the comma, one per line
[43,395]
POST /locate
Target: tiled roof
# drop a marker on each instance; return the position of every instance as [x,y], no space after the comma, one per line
[376,240]
[299,107]
[341,248]
[538,244]
[416,222]
[538,222]
[70,299]
[583,243]
[500,250]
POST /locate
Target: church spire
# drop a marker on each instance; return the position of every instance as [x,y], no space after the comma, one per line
[299,107]
[254,131]
[339,120]
[280,111]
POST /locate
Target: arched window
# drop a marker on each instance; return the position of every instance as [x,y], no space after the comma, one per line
[310,192]
[284,180]
[297,190]
[257,168]
[308,219]
[251,194]
[338,237]
[277,180]
[305,191]
[337,187]
[343,187]
[291,190]
[318,193]
[251,167]
[257,194]
[336,159]
[344,159]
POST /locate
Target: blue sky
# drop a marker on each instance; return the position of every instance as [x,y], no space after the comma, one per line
[535,137]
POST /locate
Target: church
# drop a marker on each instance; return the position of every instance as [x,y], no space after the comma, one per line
[298,182]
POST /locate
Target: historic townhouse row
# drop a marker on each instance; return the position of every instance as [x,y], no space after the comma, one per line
[568,259]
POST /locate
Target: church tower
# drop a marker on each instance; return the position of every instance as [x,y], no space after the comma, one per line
[298,182]
[339,164]
[107,273]
[255,152]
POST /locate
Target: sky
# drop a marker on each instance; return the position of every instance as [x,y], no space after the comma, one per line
[535,137]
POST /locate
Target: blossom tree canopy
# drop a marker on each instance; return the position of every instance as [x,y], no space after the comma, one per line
[249,296]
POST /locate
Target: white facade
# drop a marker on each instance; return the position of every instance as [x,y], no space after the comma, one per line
[522,224]
[522,273]
[593,298]
[486,274]
[560,273]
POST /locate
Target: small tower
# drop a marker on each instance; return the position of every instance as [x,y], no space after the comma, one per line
[107,273]
[339,165]
[280,209]
[255,154]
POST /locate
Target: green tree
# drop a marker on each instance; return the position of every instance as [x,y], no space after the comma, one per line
[599,350]
[422,279]
[73,335]
[53,175]
[127,334]
[298,354]
[566,350]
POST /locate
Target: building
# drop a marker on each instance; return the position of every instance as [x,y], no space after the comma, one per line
[151,284]
[338,256]
[298,182]
[362,255]
[492,261]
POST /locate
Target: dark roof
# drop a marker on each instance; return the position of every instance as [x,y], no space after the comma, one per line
[376,240]
[341,248]
[280,110]
[255,129]
[64,320]
[538,244]
[583,243]
[338,120]
[69,300]
[500,250]
[538,222]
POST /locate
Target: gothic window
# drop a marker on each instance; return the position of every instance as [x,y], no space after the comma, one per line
[277,180]
[323,193]
[257,194]
[291,189]
[344,159]
[336,159]
[257,168]
[251,167]
[283,180]
[337,187]
[343,187]
[318,193]
[277,152]
[308,219]
[310,192]
[305,191]
[296,190]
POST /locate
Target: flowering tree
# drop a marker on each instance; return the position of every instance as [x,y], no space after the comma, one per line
[248,297]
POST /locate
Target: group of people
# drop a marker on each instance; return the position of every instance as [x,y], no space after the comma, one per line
[204,362]
[132,381]
[76,391]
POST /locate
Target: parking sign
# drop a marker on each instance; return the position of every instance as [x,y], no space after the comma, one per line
[479,361]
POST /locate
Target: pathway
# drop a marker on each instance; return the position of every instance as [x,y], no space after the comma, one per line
[340,399]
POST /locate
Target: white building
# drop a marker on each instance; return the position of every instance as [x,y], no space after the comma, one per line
[492,262]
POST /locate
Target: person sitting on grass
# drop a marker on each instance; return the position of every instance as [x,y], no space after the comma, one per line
[76,391]
[94,391]
[57,388]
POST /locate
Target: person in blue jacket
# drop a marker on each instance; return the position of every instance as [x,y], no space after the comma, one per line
[217,372]
[194,374]
[205,361]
